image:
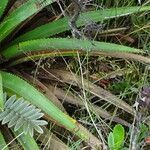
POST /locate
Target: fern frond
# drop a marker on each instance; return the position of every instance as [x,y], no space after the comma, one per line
[20,113]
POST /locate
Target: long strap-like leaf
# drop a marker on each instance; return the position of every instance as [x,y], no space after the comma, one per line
[3,4]
[20,14]
[22,88]
[62,25]
[27,142]
[60,44]
[3,144]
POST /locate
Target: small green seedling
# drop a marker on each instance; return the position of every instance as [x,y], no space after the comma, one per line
[116,138]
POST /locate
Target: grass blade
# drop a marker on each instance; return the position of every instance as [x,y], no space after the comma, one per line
[27,142]
[2,142]
[3,4]
[60,44]
[21,14]
[62,25]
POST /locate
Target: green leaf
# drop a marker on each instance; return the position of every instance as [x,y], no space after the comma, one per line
[111,140]
[116,138]
[119,135]
[1,95]
[13,121]
[8,117]
[23,12]
[63,44]
[3,4]
[38,129]
[2,142]
[27,142]
[40,122]
[4,114]
[19,124]
[62,25]
[10,101]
